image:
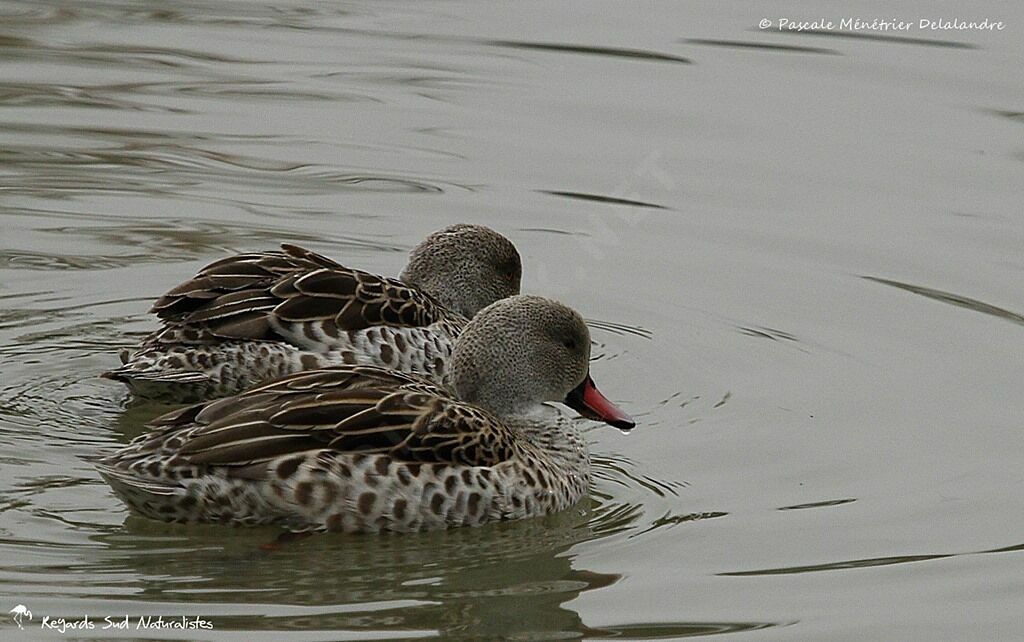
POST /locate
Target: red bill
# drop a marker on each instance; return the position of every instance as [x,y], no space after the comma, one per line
[587,400]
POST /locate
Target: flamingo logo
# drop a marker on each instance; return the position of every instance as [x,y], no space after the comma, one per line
[19,613]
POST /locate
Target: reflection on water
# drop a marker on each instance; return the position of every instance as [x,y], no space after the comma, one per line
[613,52]
[599,198]
[953,299]
[822,504]
[884,38]
[756,224]
[741,44]
[867,563]
[507,579]
[165,164]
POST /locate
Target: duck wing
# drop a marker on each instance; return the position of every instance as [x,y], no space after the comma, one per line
[273,295]
[238,273]
[348,410]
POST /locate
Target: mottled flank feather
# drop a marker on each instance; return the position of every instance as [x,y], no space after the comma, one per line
[254,317]
[351,449]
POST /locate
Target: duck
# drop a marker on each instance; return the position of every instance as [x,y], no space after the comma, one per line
[250,318]
[366,449]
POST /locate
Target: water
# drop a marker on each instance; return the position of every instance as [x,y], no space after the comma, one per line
[801,260]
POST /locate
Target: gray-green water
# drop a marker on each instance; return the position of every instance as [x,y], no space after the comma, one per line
[802,253]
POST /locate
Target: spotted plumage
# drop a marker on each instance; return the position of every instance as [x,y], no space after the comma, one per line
[361,448]
[249,318]
[353,448]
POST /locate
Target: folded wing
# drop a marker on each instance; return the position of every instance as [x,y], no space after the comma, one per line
[276,295]
[357,409]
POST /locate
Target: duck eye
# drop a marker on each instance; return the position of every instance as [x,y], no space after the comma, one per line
[508,270]
[569,343]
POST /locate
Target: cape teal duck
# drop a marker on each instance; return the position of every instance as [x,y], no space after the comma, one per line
[364,449]
[250,318]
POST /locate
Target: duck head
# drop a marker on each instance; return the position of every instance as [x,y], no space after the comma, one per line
[522,351]
[465,267]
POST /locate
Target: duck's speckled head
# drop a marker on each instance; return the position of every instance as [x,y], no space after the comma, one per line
[465,267]
[524,350]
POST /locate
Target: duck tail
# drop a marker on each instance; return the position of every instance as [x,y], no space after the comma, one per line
[132,372]
[149,374]
[125,483]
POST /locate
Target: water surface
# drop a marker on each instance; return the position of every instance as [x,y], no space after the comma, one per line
[800,253]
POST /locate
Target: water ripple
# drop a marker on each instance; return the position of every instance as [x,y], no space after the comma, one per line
[112,96]
[590,50]
[33,14]
[821,504]
[622,471]
[870,562]
[676,630]
[761,46]
[600,198]
[114,55]
[13,94]
[957,300]
[171,240]
[621,329]
[239,13]
[875,37]
[157,166]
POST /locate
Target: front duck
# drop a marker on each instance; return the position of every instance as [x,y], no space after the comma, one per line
[363,449]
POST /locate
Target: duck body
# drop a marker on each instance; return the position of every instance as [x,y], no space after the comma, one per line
[364,449]
[250,318]
[255,317]
[353,449]
[188,373]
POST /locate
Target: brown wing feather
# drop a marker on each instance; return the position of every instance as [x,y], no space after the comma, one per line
[244,296]
[352,300]
[240,272]
[358,409]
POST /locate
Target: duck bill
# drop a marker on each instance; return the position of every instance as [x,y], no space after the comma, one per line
[587,400]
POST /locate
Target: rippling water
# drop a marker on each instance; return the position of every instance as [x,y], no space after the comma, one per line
[799,253]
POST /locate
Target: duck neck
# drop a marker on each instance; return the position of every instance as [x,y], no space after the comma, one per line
[555,453]
[549,432]
[444,291]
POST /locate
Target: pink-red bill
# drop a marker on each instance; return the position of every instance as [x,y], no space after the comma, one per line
[587,400]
